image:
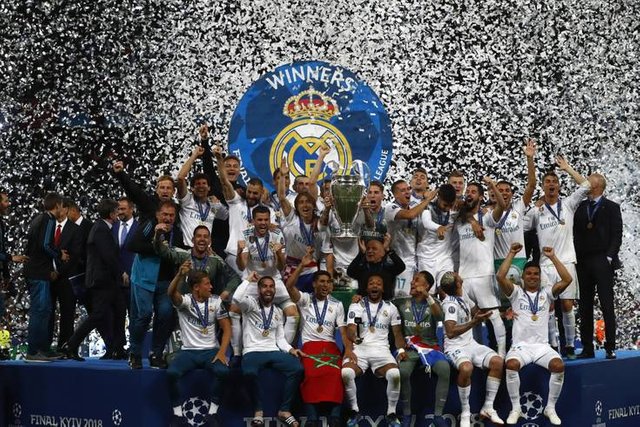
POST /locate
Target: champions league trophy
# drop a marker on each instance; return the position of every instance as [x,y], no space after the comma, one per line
[348,185]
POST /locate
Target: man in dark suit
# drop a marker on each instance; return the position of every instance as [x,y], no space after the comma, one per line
[103,280]
[66,239]
[85,225]
[123,230]
[597,232]
[5,257]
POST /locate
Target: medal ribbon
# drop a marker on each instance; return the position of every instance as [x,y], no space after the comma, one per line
[418,316]
[204,214]
[204,320]
[480,216]
[262,250]
[266,321]
[380,216]
[503,220]
[533,304]
[200,265]
[559,214]
[463,305]
[308,235]
[591,211]
[320,317]
[372,321]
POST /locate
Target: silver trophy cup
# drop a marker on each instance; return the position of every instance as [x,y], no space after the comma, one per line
[347,188]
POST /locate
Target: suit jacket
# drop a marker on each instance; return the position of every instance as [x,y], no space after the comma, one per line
[40,248]
[103,267]
[126,256]
[605,237]
[71,241]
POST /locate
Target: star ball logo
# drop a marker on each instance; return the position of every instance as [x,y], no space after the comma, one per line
[296,109]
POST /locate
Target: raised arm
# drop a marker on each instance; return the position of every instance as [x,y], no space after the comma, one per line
[565,276]
[530,152]
[282,190]
[317,170]
[418,209]
[185,169]
[500,203]
[453,329]
[294,293]
[227,188]
[174,293]
[565,166]
[505,284]
[207,162]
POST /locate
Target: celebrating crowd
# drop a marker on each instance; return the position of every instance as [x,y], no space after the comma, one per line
[247,277]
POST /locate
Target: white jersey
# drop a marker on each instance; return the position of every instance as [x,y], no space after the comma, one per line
[333,318]
[476,256]
[525,329]
[404,233]
[556,234]
[240,217]
[458,309]
[510,229]
[195,336]
[259,248]
[430,248]
[193,214]
[298,236]
[344,250]
[386,317]
[254,337]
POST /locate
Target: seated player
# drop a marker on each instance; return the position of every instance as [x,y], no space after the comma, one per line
[530,333]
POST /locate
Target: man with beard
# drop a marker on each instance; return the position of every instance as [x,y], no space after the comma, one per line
[196,208]
[475,230]
[402,220]
[531,305]
[200,314]
[147,204]
[262,251]
[322,315]
[435,247]
[460,317]
[553,222]
[240,209]
[150,277]
[420,316]
[264,345]
[371,348]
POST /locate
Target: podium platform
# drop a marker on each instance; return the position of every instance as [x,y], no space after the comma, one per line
[597,392]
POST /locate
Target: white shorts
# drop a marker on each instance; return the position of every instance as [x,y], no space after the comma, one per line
[479,355]
[539,353]
[550,277]
[482,290]
[374,357]
[437,268]
[281,298]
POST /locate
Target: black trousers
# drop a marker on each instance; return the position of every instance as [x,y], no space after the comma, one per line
[62,293]
[595,273]
[104,306]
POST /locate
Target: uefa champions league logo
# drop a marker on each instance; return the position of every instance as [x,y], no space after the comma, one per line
[116,417]
[195,410]
[16,410]
[598,408]
[532,405]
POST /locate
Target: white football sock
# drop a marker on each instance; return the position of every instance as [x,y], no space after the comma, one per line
[463,393]
[393,389]
[349,381]
[569,323]
[513,387]
[492,389]
[555,387]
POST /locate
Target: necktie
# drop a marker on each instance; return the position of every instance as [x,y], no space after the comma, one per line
[56,237]
[123,234]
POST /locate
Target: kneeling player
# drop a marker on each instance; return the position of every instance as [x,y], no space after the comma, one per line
[530,334]
[460,316]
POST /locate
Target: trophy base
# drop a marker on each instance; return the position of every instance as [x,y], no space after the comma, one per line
[345,233]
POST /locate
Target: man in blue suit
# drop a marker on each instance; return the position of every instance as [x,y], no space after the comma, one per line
[123,230]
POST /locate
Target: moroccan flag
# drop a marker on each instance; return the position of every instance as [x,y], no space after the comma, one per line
[322,373]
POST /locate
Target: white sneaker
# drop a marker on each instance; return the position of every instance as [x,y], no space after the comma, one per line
[465,420]
[492,415]
[551,413]
[514,416]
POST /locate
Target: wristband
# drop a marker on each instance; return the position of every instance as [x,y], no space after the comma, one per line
[430,300]
[400,350]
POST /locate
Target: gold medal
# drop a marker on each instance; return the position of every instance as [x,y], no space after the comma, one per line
[498,232]
[590,225]
[205,330]
[320,329]
[265,333]
[372,329]
[264,264]
[561,222]
[534,317]
[440,237]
